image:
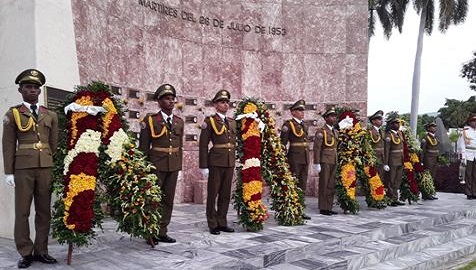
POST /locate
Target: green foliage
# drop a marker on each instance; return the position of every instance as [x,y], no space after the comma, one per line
[469,72]
[455,112]
[454,136]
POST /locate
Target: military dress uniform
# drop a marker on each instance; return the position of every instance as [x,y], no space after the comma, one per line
[394,159]
[430,151]
[294,131]
[377,142]
[161,139]
[429,156]
[220,161]
[325,154]
[30,137]
[467,149]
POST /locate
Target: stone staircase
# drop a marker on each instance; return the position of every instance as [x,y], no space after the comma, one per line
[431,241]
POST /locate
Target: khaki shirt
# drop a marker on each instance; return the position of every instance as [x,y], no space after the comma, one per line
[162,144]
[298,151]
[325,145]
[32,148]
[222,153]
[377,143]
[393,149]
[429,151]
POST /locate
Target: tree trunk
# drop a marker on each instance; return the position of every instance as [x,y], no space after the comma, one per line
[416,73]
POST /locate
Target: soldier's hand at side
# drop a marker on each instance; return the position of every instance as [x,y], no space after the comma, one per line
[317,168]
[386,168]
[463,161]
[10,180]
[204,173]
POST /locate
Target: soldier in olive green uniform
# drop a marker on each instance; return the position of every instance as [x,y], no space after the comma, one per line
[30,136]
[218,162]
[161,139]
[376,140]
[393,160]
[294,131]
[325,162]
[429,154]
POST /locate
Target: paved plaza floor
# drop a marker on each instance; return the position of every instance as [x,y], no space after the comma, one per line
[441,232]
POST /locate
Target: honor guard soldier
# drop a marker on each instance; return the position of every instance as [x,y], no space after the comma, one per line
[294,131]
[429,154]
[467,150]
[161,139]
[377,140]
[325,162]
[30,136]
[393,159]
[218,162]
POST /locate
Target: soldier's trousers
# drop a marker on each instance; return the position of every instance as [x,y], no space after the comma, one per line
[470,178]
[32,184]
[218,187]
[167,182]
[327,186]
[300,171]
[394,180]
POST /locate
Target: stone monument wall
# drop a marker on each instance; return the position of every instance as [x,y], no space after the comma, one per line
[276,50]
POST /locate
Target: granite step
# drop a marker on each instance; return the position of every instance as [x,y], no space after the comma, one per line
[342,246]
[371,253]
[437,257]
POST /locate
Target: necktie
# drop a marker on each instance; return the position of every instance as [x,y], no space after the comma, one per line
[169,122]
[33,111]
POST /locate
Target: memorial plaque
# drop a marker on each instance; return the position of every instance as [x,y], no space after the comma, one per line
[133,93]
[190,119]
[116,90]
[191,137]
[134,114]
[150,97]
[191,101]
[55,97]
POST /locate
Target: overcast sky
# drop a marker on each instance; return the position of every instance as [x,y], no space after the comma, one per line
[391,65]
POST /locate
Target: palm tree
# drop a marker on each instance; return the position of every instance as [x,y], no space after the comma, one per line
[451,12]
[390,13]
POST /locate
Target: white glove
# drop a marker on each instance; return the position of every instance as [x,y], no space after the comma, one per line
[386,168]
[317,168]
[463,161]
[10,180]
[204,173]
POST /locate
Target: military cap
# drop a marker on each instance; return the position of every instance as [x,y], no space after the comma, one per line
[430,124]
[31,76]
[163,90]
[329,112]
[299,105]
[378,114]
[471,117]
[222,95]
[392,119]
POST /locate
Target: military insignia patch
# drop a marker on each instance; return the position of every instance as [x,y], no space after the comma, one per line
[388,139]
[285,128]
[142,125]
[204,125]
[6,120]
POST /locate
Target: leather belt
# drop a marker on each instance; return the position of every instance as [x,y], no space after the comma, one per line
[224,145]
[378,149]
[37,146]
[470,147]
[397,151]
[169,150]
[299,144]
